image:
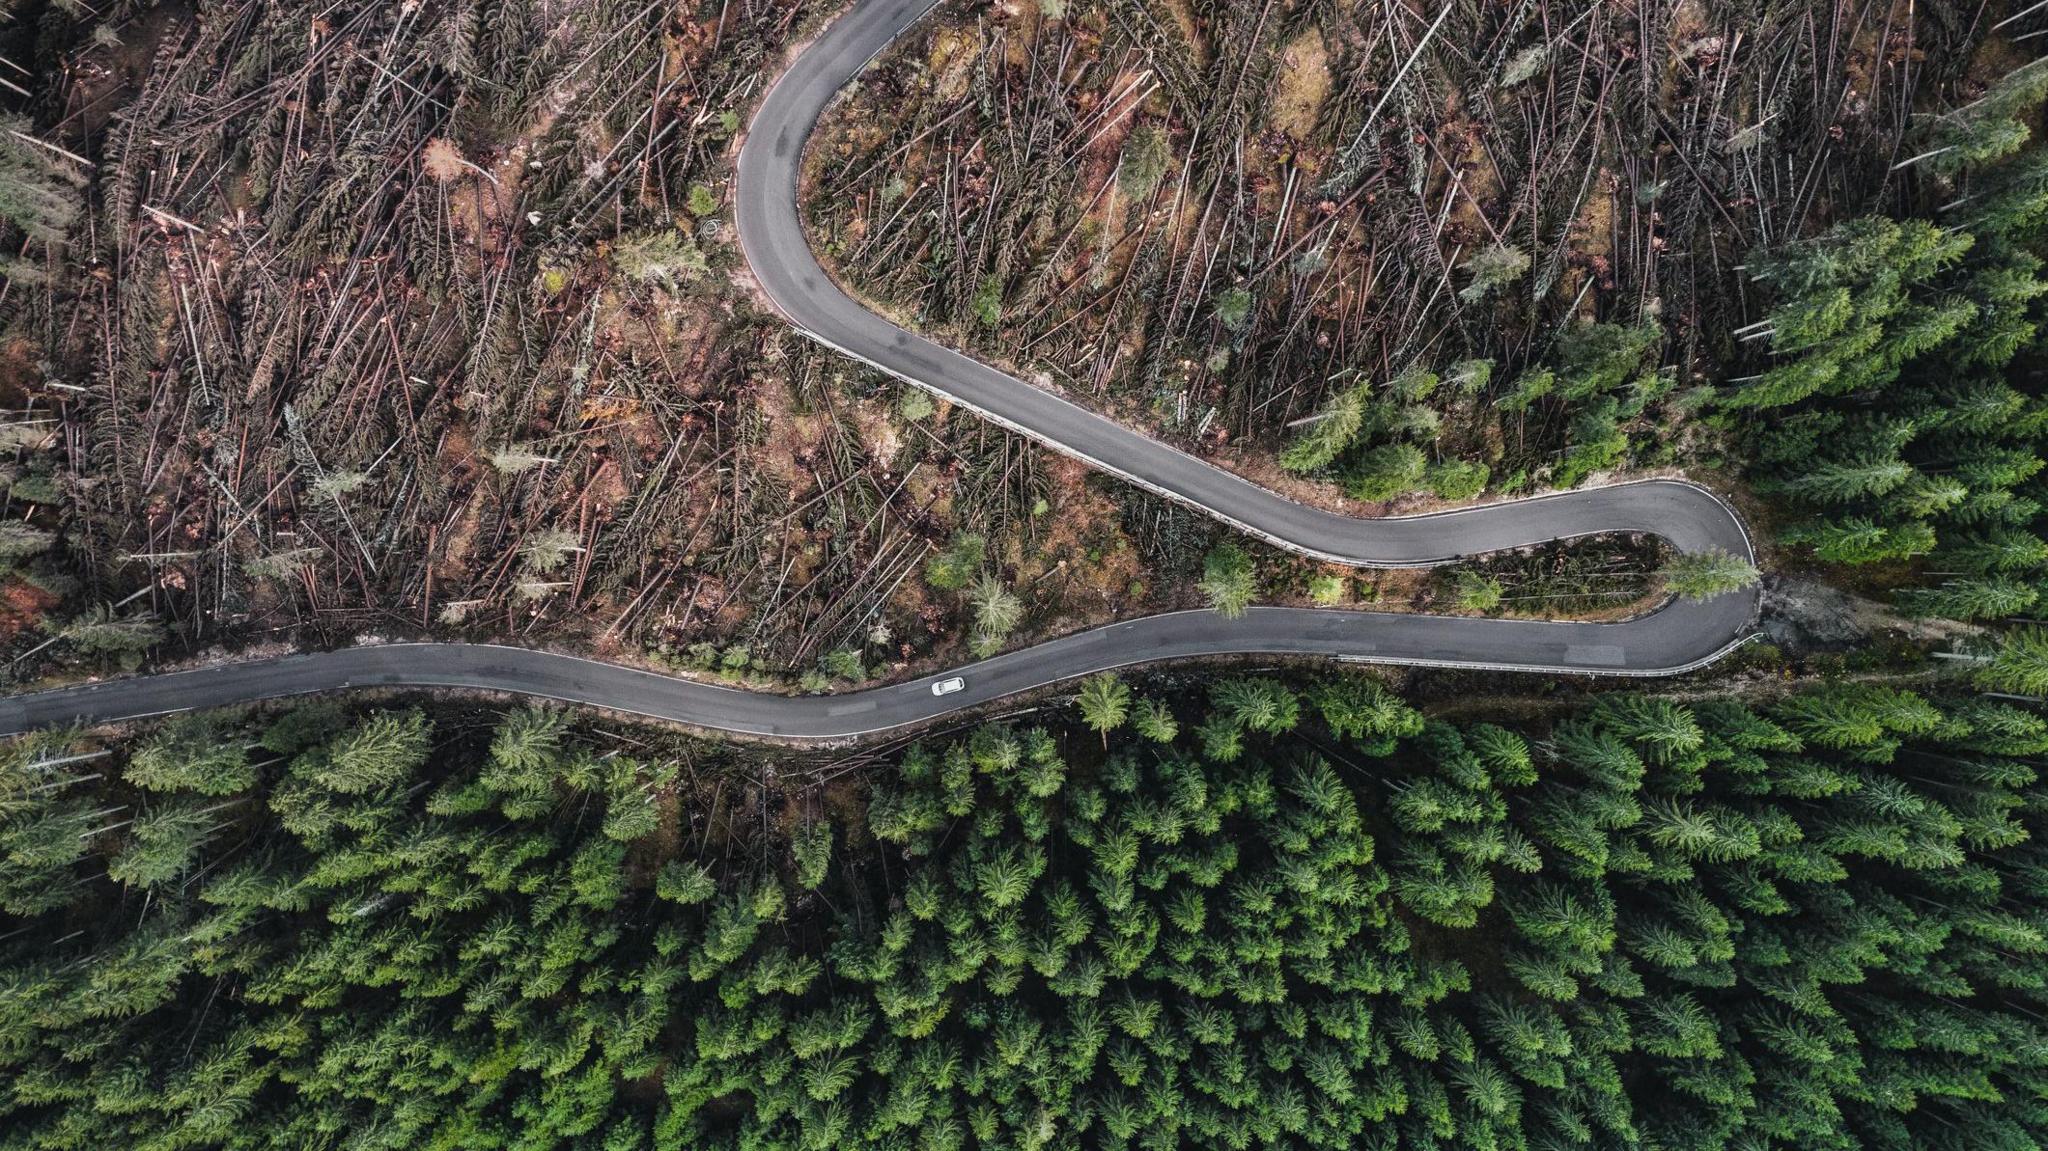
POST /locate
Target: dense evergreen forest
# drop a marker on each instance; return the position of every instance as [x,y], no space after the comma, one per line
[1285,918]
[1898,417]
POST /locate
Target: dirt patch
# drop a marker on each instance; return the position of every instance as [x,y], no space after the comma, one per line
[22,607]
[950,60]
[442,160]
[1303,85]
[1804,616]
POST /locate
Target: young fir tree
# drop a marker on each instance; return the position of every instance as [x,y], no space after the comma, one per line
[1105,702]
[1703,575]
[1229,580]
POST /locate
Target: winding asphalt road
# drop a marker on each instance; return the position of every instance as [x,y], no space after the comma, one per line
[1679,637]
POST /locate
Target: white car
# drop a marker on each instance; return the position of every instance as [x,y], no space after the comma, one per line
[949,686]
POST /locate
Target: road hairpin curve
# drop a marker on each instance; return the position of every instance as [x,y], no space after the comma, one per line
[1680,636]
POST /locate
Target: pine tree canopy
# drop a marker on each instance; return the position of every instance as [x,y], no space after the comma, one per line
[1642,925]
